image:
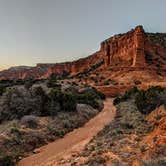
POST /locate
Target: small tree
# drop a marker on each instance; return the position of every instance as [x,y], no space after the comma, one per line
[2,90]
[38,91]
[30,121]
[6,161]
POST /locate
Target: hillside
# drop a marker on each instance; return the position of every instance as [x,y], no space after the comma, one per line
[136,137]
[33,114]
[135,50]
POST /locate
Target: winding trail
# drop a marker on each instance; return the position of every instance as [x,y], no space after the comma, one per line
[74,141]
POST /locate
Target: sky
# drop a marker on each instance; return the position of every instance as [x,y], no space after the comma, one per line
[50,31]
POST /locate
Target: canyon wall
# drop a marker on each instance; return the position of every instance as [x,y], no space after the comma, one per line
[125,49]
[131,49]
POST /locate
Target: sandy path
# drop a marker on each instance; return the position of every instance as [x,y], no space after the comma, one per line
[74,141]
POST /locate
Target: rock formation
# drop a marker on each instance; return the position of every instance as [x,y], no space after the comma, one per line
[134,49]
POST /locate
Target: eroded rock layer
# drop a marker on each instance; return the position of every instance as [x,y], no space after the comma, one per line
[132,49]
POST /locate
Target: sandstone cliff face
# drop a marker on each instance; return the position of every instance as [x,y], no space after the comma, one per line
[132,49]
[126,49]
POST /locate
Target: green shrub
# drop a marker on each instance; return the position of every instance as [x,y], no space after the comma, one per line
[106,83]
[28,82]
[147,101]
[154,162]
[30,121]
[116,101]
[97,160]
[137,82]
[114,83]
[52,81]
[53,108]
[90,96]
[6,161]
[66,100]
[140,99]
[127,95]
[2,90]
[15,132]
[53,84]
[69,102]
[39,92]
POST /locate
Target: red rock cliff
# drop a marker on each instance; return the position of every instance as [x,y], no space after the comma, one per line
[132,49]
[125,49]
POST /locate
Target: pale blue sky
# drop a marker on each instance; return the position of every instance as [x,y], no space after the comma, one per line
[41,31]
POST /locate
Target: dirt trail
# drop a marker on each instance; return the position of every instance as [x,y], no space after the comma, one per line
[74,141]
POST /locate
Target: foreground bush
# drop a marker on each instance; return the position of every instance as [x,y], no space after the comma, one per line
[90,96]
[147,101]
[67,101]
[30,121]
[127,95]
[154,162]
[2,90]
[6,161]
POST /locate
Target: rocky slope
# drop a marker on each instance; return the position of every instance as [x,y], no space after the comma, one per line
[134,138]
[134,50]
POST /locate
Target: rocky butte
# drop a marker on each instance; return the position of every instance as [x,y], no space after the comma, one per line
[134,49]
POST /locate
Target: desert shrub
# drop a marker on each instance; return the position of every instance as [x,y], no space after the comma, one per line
[65,74]
[86,110]
[90,93]
[52,81]
[165,105]
[28,84]
[137,82]
[128,125]
[38,91]
[139,100]
[2,90]
[116,101]
[90,96]
[30,121]
[147,101]
[6,161]
[17,103]
[88,70]
[19,82]
[14,130]
[106,83]
[72,90]
[127,95]
[67,101]
[52,129]
[53,108]
[114,82]
[97,160]
[158,89]
[53,84]
[154,162]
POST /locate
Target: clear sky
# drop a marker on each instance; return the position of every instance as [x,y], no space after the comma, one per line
[41,31]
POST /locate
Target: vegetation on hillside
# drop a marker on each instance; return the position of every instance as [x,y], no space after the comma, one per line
[158,38]
[145,100]
[34,113]
[127,139]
